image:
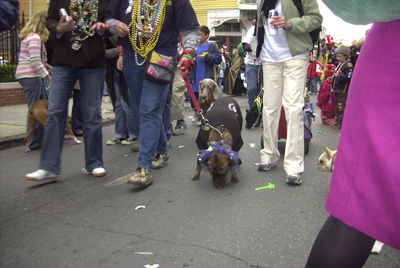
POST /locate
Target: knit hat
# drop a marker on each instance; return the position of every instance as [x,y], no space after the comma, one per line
[345,50]
[329,40]
[329,69]
[240,48]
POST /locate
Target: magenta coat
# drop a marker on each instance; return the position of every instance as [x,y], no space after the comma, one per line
[365,187]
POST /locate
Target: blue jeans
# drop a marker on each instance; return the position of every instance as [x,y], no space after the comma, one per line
[76,118]
[151,99]
[253,87]
[34,91]
[220,80]
[124,119]
[167,112]
[63,82]
[134,80]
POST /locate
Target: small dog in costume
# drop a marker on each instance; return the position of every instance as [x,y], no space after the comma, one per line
[219,141]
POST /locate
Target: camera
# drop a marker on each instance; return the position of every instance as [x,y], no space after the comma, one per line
[64,13]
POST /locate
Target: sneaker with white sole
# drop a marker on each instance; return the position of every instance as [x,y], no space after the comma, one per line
[141,177]
[180,127]
[40,175]
[195,117]
[129,141]
[97,172]
[266,166]
[159,160]
[294,179]
[114,140]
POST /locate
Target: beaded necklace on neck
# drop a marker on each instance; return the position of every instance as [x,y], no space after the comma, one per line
[146,25]
[84,13]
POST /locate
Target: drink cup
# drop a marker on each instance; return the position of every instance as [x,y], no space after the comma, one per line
[272,30]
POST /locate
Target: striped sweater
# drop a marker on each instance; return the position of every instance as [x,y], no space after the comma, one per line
[30,62]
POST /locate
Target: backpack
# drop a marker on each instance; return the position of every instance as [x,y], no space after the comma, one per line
[313,34]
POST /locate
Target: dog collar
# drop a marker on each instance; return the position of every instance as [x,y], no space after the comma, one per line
[203,101]
[333,161]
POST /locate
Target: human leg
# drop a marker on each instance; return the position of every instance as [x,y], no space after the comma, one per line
[313,85]
[64,79]
[341,99]
[293,102]
[121,131]
[339,245]
[76,118]
[134,80]
[220,81]
[166,117]
[34,91]
[272,102]
[92,81]
[252,84]
[177,103]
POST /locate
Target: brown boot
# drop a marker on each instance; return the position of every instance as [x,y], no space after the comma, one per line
[135,147]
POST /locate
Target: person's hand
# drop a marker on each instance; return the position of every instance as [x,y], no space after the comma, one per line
[49,67]
[100,26]
[122,29]
[65,26]
[119,63]
[181,65]
[48,78]
[281,22]
[201,57]
[251,46]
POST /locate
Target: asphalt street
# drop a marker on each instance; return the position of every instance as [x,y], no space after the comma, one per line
[83,221]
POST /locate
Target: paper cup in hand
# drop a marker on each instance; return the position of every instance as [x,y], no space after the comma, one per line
[272,30]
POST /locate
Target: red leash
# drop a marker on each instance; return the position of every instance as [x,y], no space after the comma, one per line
[189,88]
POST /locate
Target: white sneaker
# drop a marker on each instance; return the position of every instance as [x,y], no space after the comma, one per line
[195,118]
[97,172]
[129,141]
[40,175]
[114,141]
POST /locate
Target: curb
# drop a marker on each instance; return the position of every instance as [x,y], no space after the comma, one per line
[18,140]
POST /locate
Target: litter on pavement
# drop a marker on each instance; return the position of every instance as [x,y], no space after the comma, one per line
[269,186]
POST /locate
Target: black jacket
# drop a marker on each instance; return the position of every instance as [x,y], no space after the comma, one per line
[225,111]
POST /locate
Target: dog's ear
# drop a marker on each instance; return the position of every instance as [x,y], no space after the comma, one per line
[201,87]
[217,92]
[328,152]
[238,162]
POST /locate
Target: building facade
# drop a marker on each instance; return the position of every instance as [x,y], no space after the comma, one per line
[228,20]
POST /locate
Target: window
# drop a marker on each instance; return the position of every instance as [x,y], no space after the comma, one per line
[228,27]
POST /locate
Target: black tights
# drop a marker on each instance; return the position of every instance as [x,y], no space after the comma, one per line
[339,245]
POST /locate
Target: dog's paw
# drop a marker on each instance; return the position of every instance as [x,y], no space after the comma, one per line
[195,177]
[78,141]
[234,178]
[27,150]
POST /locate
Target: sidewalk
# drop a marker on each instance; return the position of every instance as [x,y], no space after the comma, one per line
[13,122]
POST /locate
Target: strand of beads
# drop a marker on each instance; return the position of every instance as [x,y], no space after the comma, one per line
[136,34]
[85,15]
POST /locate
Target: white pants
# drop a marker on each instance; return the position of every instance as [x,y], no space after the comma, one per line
[284,84]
